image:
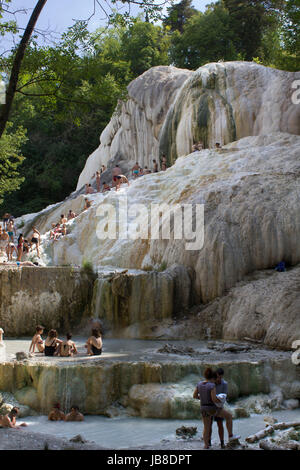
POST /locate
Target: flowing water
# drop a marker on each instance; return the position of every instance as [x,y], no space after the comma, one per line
[124,432]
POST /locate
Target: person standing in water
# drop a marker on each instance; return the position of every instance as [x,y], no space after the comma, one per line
[56,414]
[74,414]
[205,391]
[221,387]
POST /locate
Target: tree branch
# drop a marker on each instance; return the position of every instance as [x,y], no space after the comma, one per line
[17,64]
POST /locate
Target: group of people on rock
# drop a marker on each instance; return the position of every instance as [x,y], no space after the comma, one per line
[20,248]
[53,346]
[118,178]
[196,147]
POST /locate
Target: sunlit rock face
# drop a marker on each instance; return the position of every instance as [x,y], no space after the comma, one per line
[250,192]
[168,109]
[133,132]
[223,102]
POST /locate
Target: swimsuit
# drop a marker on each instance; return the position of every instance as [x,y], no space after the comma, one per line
[34,240]
[50,350]
[96,351]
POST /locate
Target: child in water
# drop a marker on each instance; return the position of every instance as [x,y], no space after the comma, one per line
[37,340]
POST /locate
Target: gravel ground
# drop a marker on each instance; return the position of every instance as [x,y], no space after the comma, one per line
[20,439]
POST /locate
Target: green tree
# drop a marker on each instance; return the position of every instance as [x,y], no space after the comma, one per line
[10,160]
[249,20]
[144,45]
[178,15]
[207,37]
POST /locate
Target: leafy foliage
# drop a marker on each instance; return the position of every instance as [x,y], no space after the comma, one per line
[10,160]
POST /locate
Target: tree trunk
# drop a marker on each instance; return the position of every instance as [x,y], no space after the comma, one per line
[14,76]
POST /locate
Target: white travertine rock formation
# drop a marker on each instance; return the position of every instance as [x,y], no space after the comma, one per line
[223,102]
[251,197]
[133,131]
[168,109]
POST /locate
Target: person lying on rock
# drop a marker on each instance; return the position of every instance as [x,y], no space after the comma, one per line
[56,414]
[94,343]
[10,419]
[67,347]
[74,414]
[52,344]
[37,340]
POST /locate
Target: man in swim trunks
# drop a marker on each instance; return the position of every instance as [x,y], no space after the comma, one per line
[74,414]
[11,230]
[135,170]
[35,240]
[120,180]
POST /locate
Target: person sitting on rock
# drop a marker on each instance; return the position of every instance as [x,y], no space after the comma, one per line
[67,347]
[74,414]
[37,340]
[10,419]
[52,344]
[71,215]
[94,343]
[87,204]
[105,187]
[56,414]
[55,232]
